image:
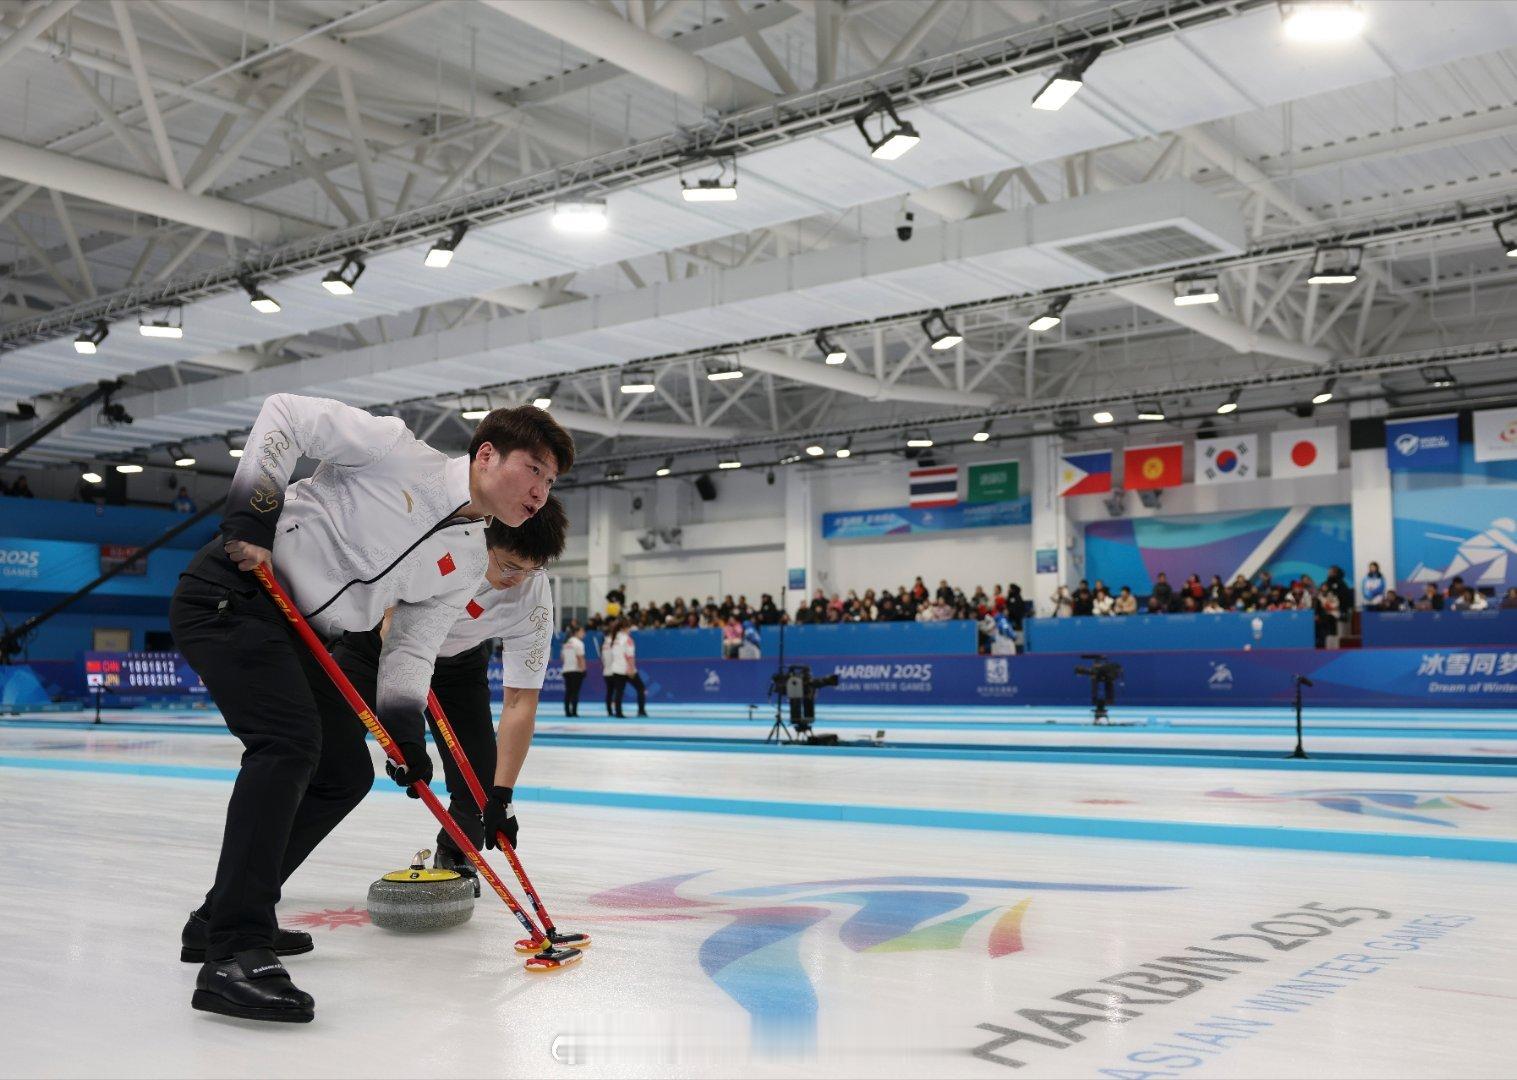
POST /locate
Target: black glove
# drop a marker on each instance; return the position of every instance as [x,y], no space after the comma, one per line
[500,816]
[417,769]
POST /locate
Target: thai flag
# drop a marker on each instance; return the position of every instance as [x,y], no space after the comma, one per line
[935,487]
[1085,474]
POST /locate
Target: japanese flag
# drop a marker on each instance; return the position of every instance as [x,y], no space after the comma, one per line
[1311,452]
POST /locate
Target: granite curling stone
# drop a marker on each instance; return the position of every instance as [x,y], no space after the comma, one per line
[419,898]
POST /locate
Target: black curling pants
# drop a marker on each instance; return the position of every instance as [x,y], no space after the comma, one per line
[462,686]
[304,762]
[573,680]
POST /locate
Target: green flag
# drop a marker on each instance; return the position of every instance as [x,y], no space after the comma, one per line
[994,482]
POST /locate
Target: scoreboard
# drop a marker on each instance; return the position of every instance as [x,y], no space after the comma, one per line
[155,674]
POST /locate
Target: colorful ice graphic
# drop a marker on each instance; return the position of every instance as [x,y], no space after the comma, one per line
[755,957]
[1372,802]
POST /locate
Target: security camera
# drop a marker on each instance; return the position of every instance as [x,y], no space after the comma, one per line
[904,220]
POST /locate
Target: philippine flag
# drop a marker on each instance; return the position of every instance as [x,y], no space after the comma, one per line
[1227,460]
[1309,452]
[1150,467]
[1085,474]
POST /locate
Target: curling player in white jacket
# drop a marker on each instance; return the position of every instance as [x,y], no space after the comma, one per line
[513,603]
[385,522]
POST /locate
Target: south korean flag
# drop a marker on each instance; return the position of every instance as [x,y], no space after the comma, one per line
[1227,460]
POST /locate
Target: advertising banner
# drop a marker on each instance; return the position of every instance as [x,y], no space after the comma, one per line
[62,566]
[1142,633]
[1496,434]
[907,520]
[1426,444]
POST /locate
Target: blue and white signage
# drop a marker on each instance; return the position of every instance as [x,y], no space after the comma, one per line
[903,520]
[1426,444]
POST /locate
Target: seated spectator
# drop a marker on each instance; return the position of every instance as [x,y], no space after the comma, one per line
[1156,606]
[1509,601]
[918,590]
[1391,601]
[21,489]
[1212,605]
[1190,605]
[732,637]
[1217,592]
[1340,587]
[183,504]
[1469,600]
[1163,592]
[1325,623]
[818,606]
[1430,600]
[1084,601]
[1016,607]
[886,608]
[768,613]
[944,592]
[998,600]
[1263,583]
[1063,603]
[1103,603]
[1126,602]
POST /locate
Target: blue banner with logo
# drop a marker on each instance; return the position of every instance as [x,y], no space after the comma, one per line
[1144,633]
[1495,626]
[62,566]
[905,520]
[1426,444]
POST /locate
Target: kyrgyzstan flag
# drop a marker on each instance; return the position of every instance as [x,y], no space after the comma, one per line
[1310,452]
[1147,467]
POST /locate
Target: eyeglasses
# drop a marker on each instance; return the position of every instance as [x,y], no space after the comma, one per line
[519,571]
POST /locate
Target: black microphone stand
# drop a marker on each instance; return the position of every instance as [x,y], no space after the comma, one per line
[1299,751]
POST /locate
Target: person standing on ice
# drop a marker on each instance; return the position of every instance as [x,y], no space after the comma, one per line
[385,521]
[514,603]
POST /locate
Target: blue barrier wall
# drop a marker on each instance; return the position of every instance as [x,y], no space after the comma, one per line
[1145,633]
[1495,627]
[952,637]
[51,519]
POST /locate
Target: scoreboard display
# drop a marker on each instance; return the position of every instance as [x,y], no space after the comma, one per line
[154,674]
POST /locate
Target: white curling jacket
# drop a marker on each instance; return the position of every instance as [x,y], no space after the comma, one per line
[522,617]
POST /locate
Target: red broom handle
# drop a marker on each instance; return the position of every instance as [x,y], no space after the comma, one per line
[345,687]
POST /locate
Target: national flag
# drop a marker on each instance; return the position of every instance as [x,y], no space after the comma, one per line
[1147,467]
[1085,474]
[1227,460]
[937,486]
[1308,452]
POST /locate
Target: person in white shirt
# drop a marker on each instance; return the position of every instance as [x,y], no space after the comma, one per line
[613,659]
[384,522]
[513,603]
[572,655]
[628,646]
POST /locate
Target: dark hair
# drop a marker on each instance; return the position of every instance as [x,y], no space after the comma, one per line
[539,539]
[525,427]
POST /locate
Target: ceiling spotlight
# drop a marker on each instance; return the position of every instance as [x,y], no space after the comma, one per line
[723,370]
[846,451]
[128,469]
[666,468]
[181,458]
[1438,377]
[1320,22]
[614,472]
[1066,82]
[1102,416]
[340,282]
[729,463]
[545,399]
[1336,266]
[981,436]
[89,476]
[1506,231]
[1231,404]
[441,253]
[896,135]
[816,450]
[170,325]
[1051,317]
[1150,410]
[1323,396]
[940,331]
[88,343]
[718,188]
[261,301]
[474,414]
[542,402]
[1196,290]
[832,352]
[918,440]
[637,382]
[580,216]
[232,447]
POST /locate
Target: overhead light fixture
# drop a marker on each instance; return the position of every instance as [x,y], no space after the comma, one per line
[128,469]
[260,300]
[940,331]
[816,450]
[581,217]
[1506,232]
[170,325]
[1066,82]
[1150,410]
[1323,396]
[1231,404]
[340,282]
[723,370]
[918,440]
[614,472]
[88,343]
[718,188]
[981,436]
[474,414]
[1321,22]
[896,136]
[1336,266]
[90,476]
[666,468]
[440,254]
[232,449]
[182,459]
[1102,416]
[1052,316]
[832,352]
[846,450]
[1190,291]
[637,382]
[729,463]
[545,399]
[541,402]
[1439,377]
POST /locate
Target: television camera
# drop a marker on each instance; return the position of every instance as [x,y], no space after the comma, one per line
[795,683]
[1103,674]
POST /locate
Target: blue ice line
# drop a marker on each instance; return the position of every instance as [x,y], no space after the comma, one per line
[1256,836]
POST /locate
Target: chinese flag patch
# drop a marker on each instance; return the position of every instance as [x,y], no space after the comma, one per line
[445,564]
[474,610]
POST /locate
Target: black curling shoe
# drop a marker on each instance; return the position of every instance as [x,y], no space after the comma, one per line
[195,938]
[252,985]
